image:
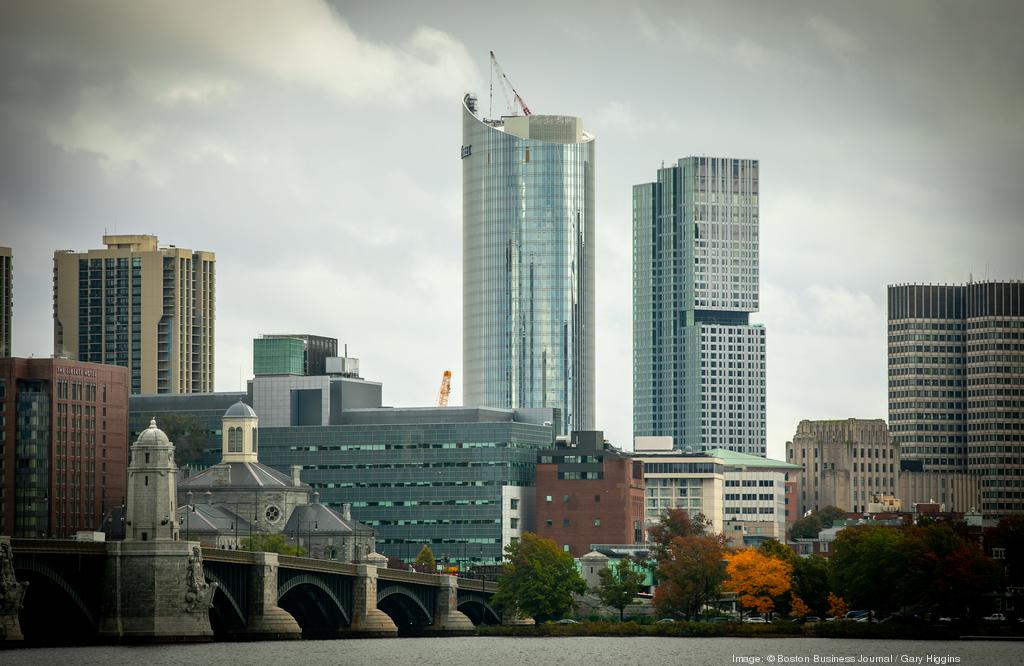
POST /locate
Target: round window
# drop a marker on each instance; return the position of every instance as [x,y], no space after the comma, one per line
[273,514]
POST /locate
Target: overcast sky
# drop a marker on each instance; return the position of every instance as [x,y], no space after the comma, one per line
[315,148]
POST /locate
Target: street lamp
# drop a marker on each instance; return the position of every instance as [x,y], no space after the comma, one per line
[309,535]
[188,510]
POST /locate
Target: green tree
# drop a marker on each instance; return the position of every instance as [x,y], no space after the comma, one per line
[425,562]
[806,527]
[619,585]
[773,548]
[538,579]
[868,567]
[188,437]
[272,543]
[811,582]
[830,514]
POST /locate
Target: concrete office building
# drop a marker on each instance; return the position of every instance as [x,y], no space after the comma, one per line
[698,362]
[63,444]
[139,305]
[528,264]
[6,300]
[292,354]
[677,479]
[589,492]
[956,383]
[849,463]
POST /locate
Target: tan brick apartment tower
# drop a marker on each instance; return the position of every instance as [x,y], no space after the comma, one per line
[139,305]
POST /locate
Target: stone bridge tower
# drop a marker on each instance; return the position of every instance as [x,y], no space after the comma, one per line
[155,588]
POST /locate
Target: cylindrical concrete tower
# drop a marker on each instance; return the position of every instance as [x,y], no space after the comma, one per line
[152,492]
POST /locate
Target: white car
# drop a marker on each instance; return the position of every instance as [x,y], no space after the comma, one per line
[995,617]
[755,620]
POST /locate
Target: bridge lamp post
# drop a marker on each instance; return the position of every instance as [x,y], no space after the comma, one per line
[188,509]
[311,526]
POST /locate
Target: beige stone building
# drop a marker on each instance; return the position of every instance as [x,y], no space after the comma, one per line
[140,305]
[851,463]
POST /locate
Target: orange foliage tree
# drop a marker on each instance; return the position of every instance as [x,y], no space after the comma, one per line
[756,579]
[837,606]
[797,608]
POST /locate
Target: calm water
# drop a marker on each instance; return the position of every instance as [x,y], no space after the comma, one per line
[495,651]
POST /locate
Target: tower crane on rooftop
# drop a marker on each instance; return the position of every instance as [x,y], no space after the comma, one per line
[446,389]
[503,79]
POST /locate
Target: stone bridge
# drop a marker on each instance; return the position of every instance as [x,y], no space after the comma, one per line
[258,596]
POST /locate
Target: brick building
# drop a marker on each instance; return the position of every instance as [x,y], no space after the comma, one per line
[63,444]
[589,492]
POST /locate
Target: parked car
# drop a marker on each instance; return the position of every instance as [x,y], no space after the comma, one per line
[995,617]
[722,618]
[567,620]
[755,620]
[807,619]
[665,620]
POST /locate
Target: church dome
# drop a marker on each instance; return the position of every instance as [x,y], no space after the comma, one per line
[153,436]
[239,410]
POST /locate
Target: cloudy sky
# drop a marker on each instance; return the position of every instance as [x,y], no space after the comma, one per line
[314,147]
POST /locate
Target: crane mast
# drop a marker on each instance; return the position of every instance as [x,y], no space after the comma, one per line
[446,389]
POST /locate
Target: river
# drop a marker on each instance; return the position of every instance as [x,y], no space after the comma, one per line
[498,651]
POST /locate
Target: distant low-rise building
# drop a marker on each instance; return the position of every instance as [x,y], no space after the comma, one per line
[754,506]
[674,479]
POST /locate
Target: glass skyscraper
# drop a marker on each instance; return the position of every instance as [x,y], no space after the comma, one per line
[528,264]
[698,362]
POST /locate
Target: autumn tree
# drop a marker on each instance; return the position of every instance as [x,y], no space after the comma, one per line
[797,607]
[776,550]
[538,579]
[688,563]
[837,606]
[757,579]
[425,562]
[619,585]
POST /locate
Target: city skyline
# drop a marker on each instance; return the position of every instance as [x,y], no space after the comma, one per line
[214,140]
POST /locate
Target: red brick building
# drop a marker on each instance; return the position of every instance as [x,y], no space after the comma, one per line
[63,444]
[589,493]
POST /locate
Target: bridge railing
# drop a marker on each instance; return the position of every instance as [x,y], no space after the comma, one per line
[310,564]
[29,546]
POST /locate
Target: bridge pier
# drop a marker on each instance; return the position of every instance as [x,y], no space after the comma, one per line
[367,620]
[448,619]
[155,591]
[266,620]
[11,595]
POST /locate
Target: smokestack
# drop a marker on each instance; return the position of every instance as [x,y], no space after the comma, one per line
[296,470]
[346,511]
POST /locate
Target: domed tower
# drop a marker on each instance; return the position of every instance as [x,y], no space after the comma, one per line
[240,439]
[151,488]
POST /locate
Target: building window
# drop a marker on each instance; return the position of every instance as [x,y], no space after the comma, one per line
[565,522]
[565,499]
[597,499]
[234,440]
[547,499]
[597,522]
[515,503]
[548,523]
[514,523]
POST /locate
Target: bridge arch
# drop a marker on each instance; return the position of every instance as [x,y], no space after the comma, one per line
[40,606]
[477,608]
[226,614]
[408,607]
[319,609]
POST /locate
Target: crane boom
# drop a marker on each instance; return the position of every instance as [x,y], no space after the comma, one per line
[504,79]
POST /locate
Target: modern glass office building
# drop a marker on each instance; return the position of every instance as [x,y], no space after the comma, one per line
[528,264]
[698,362]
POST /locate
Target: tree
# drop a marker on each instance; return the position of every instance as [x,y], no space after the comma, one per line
[538,579]
[806,527]
[811,576]
[773,548]
[271,543]
[188,437]
[425,562]
[837,606]
[690,575]
[797,607]
[757,579]
[868,568]
[830,514]
[619,585]
[677,523]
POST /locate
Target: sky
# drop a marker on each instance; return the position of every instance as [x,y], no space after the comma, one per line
[314,147]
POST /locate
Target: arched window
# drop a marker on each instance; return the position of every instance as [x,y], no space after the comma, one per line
[234,440]
[255,440]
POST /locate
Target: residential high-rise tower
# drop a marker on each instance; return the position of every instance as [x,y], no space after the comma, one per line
[956,383]
[528,264]
[141,306]
[698,362]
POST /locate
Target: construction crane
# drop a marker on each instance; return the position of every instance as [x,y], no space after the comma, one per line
[446,389]
[504,79]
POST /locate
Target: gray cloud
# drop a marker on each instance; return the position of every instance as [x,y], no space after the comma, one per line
[313,147]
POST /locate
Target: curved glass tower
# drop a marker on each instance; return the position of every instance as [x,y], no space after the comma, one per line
[528,264]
